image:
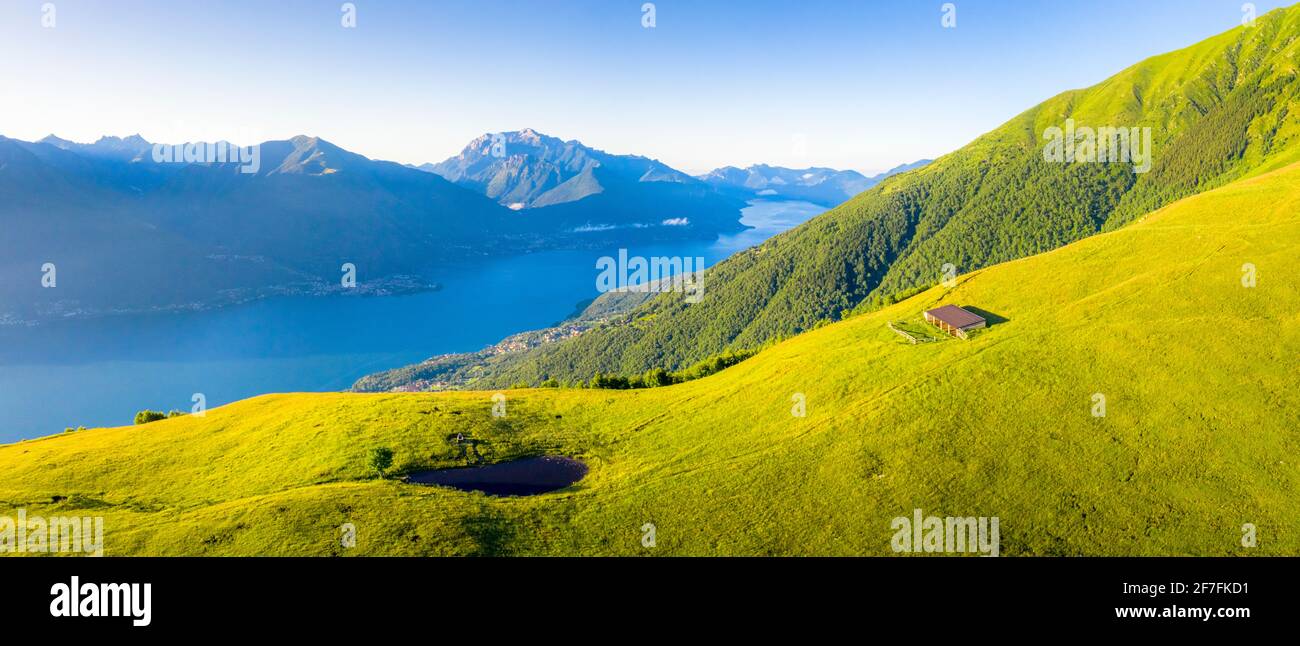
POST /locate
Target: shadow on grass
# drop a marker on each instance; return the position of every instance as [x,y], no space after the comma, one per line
[990,317]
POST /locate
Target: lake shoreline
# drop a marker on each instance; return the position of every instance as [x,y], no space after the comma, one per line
[99,372]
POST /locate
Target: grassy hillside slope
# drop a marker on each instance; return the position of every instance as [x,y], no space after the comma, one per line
[1218,111]
[1199,436]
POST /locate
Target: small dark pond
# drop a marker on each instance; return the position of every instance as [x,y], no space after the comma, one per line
[524,477]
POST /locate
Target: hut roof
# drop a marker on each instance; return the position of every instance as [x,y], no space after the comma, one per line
[955,316]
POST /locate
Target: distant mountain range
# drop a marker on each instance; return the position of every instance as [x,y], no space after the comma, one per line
[133,148]
[129,233]
[126,233]
[825,186]
[526,169]
[579,188]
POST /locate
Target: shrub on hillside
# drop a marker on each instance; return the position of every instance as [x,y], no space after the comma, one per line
[381,458]
[147,416]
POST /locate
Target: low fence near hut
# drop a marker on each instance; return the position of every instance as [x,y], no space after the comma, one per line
[912,337]
[902,333]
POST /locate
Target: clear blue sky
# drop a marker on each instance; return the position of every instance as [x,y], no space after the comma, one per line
[859,84]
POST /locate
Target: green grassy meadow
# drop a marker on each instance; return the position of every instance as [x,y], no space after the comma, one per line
[1199,436]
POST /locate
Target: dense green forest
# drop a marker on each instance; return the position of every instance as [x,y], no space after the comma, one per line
[1218,111]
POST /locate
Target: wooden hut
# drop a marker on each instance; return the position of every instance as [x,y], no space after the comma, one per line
[955,320]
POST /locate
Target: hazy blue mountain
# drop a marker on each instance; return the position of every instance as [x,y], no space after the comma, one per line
[527,169]
[583,190]
[119,165]
[128,233]
[82,215]
[901,168]
[825,186]
[132,148]
[313,206]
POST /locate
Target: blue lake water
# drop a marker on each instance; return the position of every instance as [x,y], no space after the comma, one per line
[100,372]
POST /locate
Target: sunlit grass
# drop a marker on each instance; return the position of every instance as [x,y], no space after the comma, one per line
[1198,372]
